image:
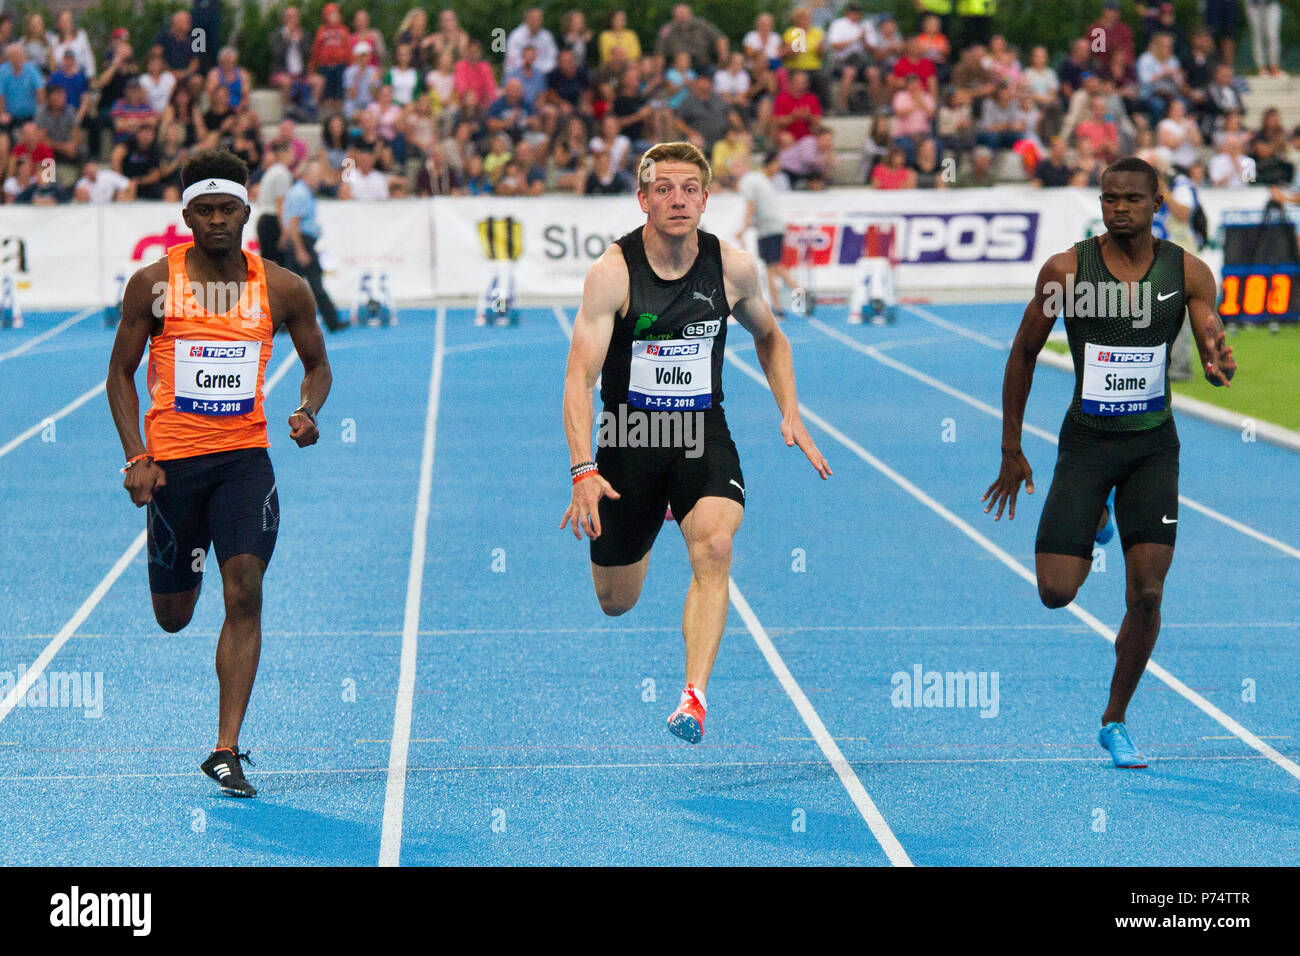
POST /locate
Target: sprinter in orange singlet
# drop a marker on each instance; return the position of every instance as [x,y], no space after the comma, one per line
[208,312]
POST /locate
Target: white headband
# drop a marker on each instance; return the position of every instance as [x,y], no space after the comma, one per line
[224,187]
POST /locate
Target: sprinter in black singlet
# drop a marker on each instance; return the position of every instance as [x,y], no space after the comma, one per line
[653,326]
[1123,295]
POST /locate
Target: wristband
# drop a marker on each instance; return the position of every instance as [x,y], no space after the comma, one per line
[586,474]
[135,460]
[304,410]
[581,466]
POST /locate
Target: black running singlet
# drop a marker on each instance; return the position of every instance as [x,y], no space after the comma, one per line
[1120,335]
[666,351]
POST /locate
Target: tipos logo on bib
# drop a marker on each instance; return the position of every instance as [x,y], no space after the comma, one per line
[216,378]
[1122,380]
[671,375]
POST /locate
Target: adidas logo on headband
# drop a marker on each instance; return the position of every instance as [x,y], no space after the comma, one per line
[218,187]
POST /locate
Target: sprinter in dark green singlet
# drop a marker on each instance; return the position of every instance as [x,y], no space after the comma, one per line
[653,326]
[1123,296]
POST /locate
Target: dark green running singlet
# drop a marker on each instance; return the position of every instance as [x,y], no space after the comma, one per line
[1120,342]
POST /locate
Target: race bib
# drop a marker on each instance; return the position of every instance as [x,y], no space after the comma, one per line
[216,378]
[671,375]
[1122,380]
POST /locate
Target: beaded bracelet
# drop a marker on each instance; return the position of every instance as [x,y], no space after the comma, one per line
[137,458]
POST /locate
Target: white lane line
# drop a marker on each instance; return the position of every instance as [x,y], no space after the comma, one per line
[879,356]
[67,409]
[47,334]
[87,606]
[390,844]
[1269,431]
[961,330]
[857,793]
[566,326]
[562,317]
[1015,566]
[675,766]
[19,690]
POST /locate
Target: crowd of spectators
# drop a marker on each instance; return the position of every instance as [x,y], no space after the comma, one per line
[428,112]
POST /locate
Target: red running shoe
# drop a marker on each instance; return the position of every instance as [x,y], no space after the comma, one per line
[687,721]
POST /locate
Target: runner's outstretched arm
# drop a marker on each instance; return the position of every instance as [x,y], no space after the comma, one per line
[1207,328]
[603,292]
[138,307]
[299,309]
[744,291]
[1016,382]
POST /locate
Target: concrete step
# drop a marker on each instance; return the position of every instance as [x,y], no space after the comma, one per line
[849,131]
[1271,84]
[848,167]
[268,104]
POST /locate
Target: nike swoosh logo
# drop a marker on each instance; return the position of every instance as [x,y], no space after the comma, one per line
[740,486]
[1164,519]
[1167,295]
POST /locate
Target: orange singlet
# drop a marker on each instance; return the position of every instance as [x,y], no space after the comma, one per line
[206,369]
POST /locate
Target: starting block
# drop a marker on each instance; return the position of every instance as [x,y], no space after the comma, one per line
[875,286]
[11,313]
[374,301]
[113,311]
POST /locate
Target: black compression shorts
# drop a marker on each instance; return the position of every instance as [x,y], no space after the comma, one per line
[226,499]
[650,479]
[1141,466]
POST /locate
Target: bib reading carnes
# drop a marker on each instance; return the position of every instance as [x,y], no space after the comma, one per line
[1121,344]
[207,369]
[666,351]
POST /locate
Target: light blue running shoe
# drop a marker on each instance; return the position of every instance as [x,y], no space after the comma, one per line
[1115,739]
[1108,529]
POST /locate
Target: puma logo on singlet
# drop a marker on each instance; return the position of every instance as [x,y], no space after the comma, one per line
[704,298]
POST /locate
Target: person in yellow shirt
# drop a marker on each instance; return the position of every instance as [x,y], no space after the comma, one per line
[618,35]
[737,142]
[803,47]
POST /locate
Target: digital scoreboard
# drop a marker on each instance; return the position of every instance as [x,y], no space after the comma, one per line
[1261,267]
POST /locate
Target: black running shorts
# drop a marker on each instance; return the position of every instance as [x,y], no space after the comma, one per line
[650,479]
[226,499]
[1141,466]
[769,248]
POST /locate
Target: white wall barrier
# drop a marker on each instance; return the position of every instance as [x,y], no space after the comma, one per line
[77,256]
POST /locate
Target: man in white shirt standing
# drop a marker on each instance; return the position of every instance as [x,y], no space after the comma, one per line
[271,190]
[763,212]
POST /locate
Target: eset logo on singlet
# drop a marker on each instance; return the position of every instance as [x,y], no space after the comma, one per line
[217,351]
[702,329]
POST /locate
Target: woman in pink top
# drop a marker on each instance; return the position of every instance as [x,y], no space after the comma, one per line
[893,174]
[913,115]
[474,73]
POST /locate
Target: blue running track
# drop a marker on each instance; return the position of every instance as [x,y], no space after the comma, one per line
[537,730]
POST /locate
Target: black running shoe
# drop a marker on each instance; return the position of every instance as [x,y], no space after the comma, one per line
[223,767]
